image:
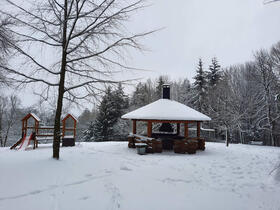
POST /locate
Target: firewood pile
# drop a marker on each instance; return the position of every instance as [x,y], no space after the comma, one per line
[149,149]
[185,146]
[191,146]
[153,145]
[156,145]
[178,146]
[201,144]
[131,142]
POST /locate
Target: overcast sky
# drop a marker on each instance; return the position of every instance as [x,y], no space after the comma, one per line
[231,30]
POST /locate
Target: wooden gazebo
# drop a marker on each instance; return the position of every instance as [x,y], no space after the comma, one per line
[167,112]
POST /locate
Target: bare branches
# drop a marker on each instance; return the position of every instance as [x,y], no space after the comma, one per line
[84,40]
[123,42]
[6,39]
[270,1]
[5,36]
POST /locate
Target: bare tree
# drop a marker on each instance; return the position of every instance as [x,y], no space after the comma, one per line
[275,55]
[71,46]
[266,78]
[8,113]
[5,40]
[270,1]
[2,111]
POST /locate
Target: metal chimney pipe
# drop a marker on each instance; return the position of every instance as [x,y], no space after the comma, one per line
[166,91]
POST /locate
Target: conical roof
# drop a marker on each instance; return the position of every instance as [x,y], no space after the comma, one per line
[165,109]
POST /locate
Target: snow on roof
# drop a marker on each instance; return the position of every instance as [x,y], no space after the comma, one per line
[70,115]
[32,115]
[165,109]
[36,117]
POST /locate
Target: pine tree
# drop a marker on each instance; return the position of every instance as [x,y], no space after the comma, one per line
[214,73]
[200,87]
[121,101]
[161,81]
[106,117]
[111,108]
[141,96]
[89,133]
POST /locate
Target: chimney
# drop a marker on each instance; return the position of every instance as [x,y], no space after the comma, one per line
[166,91]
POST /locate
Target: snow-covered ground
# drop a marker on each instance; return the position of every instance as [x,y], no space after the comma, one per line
[111,176]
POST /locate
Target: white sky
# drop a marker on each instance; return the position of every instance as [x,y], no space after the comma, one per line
[231,30]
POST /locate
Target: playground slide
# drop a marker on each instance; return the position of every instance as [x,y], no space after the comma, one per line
[25,142]
[18,142]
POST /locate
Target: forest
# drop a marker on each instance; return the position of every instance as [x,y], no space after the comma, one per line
[242,100]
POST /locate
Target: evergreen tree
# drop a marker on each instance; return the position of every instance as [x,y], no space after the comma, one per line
[161,81]
[184,92]
[89,133]
[111,108]
[106,117]
[121,101]
[200,87]
[141,96]
[214,73]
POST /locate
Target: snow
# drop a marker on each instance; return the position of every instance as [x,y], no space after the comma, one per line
[139,137]
[110,176]
[70,115]
[35,117]
[165,109]
[24,144]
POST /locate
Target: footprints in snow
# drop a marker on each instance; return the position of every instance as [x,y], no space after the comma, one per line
[89,177]
[115,196]
[125,168]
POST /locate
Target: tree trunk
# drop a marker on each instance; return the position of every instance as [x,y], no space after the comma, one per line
[1,139]
[6,136]
[57,135]
[227,141]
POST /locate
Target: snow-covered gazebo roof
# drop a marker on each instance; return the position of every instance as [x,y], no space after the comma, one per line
[166,109]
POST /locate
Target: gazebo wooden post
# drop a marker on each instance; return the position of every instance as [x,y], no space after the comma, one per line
[75,126]
[178,128]
[134,130]
[36,128]
[22,130]
[149,129]
[186,130]
[63,128]
[198,130]
[25,127]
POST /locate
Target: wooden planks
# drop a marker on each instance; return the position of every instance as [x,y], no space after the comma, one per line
[134,128]
[198,130]
[178,128]
[186,130]
[149,129]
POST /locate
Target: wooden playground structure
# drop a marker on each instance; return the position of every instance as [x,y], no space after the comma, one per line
[44,133]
